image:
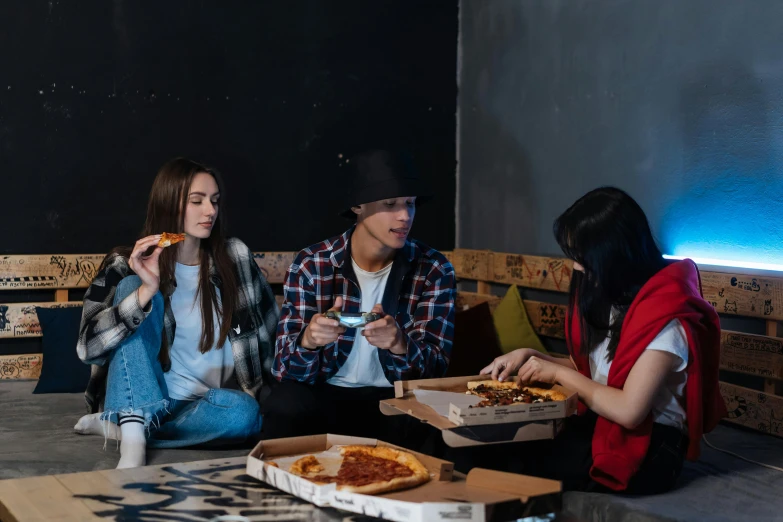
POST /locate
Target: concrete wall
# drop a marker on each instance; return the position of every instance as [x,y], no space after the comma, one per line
[676,101]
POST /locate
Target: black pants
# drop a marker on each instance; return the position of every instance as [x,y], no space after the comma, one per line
[568,458]
[294,409]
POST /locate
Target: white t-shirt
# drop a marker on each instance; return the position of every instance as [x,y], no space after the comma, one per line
[666,406]
[363,367]
[194,373]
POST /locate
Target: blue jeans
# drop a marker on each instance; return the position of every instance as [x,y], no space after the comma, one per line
[135,382]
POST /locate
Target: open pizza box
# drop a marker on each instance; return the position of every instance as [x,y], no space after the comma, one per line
[481,496]
[464,426]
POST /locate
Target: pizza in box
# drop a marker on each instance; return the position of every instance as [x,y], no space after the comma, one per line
[508,393]
[368,470]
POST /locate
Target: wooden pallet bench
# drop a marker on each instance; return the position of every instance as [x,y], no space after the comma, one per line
[731,294]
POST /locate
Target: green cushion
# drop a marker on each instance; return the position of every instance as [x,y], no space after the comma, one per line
[512,324]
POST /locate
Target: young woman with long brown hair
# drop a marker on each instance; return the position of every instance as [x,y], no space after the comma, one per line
[181,338]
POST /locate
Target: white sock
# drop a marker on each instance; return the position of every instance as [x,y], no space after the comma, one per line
[93,425]
[133,445]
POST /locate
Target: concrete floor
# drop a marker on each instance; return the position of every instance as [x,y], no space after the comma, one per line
[37,438]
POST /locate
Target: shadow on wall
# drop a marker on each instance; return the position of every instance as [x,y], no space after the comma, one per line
[732,192]
[503,209]
[498,207]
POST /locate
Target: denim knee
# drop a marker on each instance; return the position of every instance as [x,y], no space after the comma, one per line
[126,287]
[130,284]
[233,399]
[241,409]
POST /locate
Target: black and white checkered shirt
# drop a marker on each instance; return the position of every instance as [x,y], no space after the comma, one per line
[252,334]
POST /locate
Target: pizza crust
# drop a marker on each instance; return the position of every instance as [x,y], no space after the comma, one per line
[306,465]
[493,385]
[552,394]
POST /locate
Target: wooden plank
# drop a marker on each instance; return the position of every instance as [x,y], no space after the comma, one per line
[753,409]
[48,271]
[467,300]
[27,366]
[274,265]
[733,294]
[77,270]
[744,295]
[204,490]
[20,320]
[472,264]
[61,295]
[772,328]
[40,499]
[545,273]
[752,354]
[547,319]
[770,385]
[483,287]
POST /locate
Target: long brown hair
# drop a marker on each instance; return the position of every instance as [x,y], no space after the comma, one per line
[166,213]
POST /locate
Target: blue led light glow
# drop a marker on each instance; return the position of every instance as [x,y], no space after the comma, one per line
[729,263]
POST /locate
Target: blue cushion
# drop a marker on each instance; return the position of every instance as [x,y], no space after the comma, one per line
[62,371]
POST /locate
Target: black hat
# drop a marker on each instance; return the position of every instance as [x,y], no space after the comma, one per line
[380,174]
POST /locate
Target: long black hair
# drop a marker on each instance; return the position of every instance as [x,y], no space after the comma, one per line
[607,233]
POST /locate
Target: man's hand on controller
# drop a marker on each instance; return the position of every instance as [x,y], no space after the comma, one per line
[385,333]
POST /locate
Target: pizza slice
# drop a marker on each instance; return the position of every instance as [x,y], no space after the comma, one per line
[377,469]
[367,470]
[169,238]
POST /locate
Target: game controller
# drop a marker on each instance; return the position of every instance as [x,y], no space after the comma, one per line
[351,320]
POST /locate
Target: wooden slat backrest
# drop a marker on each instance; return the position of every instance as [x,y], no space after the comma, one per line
[730,294]
[545,273]
[71,271]
[48,271]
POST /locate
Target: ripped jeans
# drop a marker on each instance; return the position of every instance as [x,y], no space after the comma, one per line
[135,382]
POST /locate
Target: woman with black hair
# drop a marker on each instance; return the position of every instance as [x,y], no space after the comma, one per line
[644,349]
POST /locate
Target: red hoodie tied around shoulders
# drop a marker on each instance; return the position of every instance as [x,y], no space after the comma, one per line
[672,293]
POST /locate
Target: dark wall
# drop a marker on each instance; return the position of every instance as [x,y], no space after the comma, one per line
[679,102]
[96,95]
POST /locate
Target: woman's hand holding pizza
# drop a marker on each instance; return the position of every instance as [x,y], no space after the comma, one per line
[539,370]
[507,365]
[385,333]
[146,267]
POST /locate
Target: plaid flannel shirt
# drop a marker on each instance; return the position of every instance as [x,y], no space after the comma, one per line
[105,326]
[424,310]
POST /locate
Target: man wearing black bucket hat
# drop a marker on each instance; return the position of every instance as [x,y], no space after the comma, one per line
[333,374]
